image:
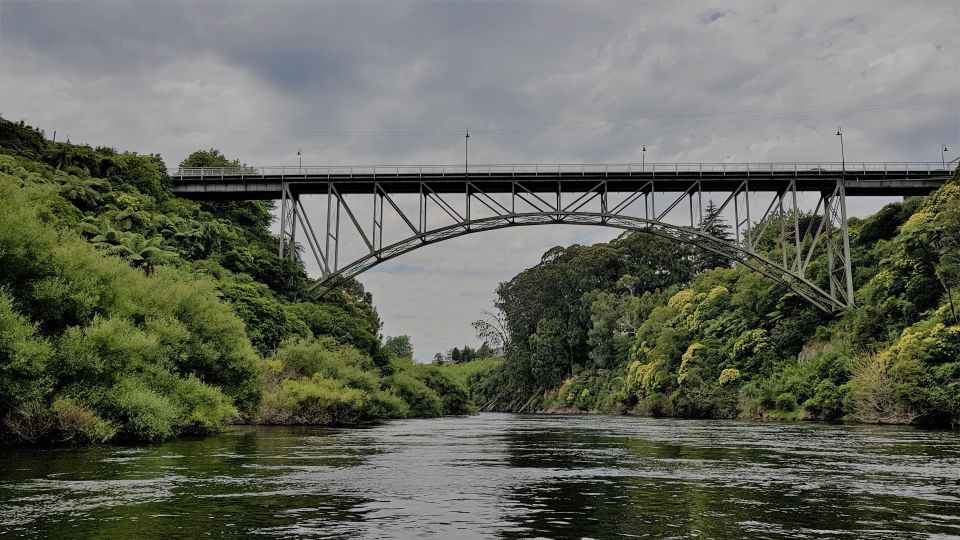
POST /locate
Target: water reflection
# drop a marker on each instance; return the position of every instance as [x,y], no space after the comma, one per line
[498,476]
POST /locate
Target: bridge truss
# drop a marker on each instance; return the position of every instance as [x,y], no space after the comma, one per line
[637,211]
[802,207]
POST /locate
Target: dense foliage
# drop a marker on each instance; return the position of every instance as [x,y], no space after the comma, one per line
[629,327]
[127,313]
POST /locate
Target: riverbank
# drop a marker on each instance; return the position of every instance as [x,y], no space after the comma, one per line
[128,314]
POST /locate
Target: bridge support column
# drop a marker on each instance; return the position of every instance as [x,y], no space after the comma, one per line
[837,240]
[289,204]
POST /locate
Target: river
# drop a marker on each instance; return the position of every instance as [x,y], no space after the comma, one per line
[498,476]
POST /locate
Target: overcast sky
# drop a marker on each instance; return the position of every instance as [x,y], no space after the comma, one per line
[398,82]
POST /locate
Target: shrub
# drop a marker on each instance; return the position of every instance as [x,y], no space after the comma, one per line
[30,422]
[146,414]
[423,401]
[383,404]
[23,359]
[828,401]
[874,392]
[79,424]
[453,394]
[317,400]
[205,408]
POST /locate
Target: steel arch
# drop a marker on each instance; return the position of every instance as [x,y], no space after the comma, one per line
[733,252]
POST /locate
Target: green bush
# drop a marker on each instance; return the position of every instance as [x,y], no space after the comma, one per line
[316,400]
[145,414]
[423,401]
[205,408]
[24,357]
[454,395]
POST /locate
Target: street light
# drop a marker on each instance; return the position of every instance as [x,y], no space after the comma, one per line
[466,153]
[843,158]
[300,157]
[644,154]
[943,158]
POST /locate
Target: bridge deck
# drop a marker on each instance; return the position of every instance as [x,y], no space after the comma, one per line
[881,179]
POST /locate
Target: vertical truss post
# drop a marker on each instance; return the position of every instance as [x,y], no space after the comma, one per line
[700,200]
[736,216]
[288,222]
[845,233]
[292,220]
[796,228]
[828,218]
[559,216]
[746,206]
[422,214]
[336,232]
[603,198]
[377,232]
[783,227]
[653,198]
[283,217]
[332,235]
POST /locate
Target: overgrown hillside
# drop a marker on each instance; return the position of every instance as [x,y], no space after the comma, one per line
[129,314]
[644,326]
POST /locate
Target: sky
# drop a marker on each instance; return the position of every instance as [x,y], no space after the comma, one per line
[535,82]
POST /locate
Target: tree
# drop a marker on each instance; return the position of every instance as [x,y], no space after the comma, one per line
[609,343]
[937,234]
[716,226]
[185,234]
[399,346]
[485,351]
[254,214]
[438,359]
[85,193]
[209,158]
[145,253]
[492,328]
[550,361]
[629,283]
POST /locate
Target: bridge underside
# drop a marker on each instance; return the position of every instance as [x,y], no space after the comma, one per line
[760,204]
[271,187]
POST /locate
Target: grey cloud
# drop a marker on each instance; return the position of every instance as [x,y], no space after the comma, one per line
[362,82]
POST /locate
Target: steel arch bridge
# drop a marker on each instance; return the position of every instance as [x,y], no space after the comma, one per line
[666,200]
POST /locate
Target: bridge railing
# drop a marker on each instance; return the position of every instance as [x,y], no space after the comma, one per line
[527,169]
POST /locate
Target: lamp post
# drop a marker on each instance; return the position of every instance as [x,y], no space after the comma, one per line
[300,158]
[943,155]
[466,153]
[643,154]
[843,158]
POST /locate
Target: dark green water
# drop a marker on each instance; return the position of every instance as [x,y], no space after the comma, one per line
[495,475]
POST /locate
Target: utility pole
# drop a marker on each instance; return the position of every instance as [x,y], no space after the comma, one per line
[466,154]
[843,159]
